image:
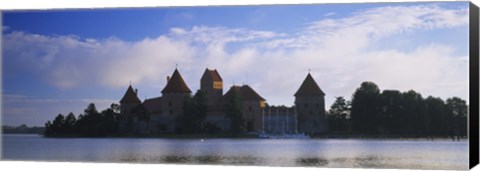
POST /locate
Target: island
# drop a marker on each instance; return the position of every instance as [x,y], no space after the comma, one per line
[241,112]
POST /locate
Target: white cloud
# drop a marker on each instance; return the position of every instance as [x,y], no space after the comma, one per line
[67,61]
[337,50]
[329,14]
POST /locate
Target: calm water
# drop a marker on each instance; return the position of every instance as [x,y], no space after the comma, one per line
[414,154]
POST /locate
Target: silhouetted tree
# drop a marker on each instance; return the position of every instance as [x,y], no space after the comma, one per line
[233,110]
[194,112]
[201,106]
[365,112]
[115,107]
[338,115]
[439,116]
[185,123]
[69,125]
[48,129]
[58,123]
[94,124]
[110,119]
[392,111]
[458,111]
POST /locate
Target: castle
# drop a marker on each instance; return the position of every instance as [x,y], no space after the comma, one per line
[306,116]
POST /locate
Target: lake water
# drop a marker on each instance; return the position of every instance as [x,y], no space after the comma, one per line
[413,154]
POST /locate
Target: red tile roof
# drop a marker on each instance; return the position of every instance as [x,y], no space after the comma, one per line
[211,75]
[309,87]
[246,93]
[130,96]
[176,84]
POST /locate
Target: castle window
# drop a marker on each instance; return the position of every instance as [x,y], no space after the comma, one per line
[169,103]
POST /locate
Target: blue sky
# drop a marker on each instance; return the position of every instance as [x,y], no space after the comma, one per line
[58,61]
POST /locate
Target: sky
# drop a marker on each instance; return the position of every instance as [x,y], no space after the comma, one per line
[59,61]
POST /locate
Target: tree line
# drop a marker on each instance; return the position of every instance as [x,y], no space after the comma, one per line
[369,112]
[391,112]
[22,129]
[92,123]
[89,124]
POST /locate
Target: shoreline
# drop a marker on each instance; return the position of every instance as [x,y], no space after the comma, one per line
[255,136]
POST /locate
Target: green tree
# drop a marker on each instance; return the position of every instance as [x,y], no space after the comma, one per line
[338,115]
[415,112]
[115,107]
[112,117]
[459,113]
[392,111]
[48,129]
[185,123]
[91,109]
[365,112]
[439,116]
[90,124]
[233,110]
[56,127]
[194,112]
[201,107]
[69,125]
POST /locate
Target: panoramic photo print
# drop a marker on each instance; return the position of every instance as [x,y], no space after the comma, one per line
[359,85]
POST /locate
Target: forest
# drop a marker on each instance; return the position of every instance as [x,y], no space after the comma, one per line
[391,112]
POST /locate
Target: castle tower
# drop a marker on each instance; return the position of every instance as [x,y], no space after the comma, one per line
[211,84]
[310,107]
[172,98]
[129,101]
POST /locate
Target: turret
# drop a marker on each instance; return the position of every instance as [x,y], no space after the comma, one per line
[129,101]
[310,107]
[174,94]
[211,84]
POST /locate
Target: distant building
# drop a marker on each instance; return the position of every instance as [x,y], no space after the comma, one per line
[307,116]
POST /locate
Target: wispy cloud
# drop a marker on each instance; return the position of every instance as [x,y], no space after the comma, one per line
[339,52]
[329,14]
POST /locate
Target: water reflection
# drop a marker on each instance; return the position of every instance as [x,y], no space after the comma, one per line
[311,162]
[305,153]
[208,159]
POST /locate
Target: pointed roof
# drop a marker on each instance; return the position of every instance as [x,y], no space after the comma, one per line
[176,84]
[246,92]
[211,74]
[130,96]
[309,87]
